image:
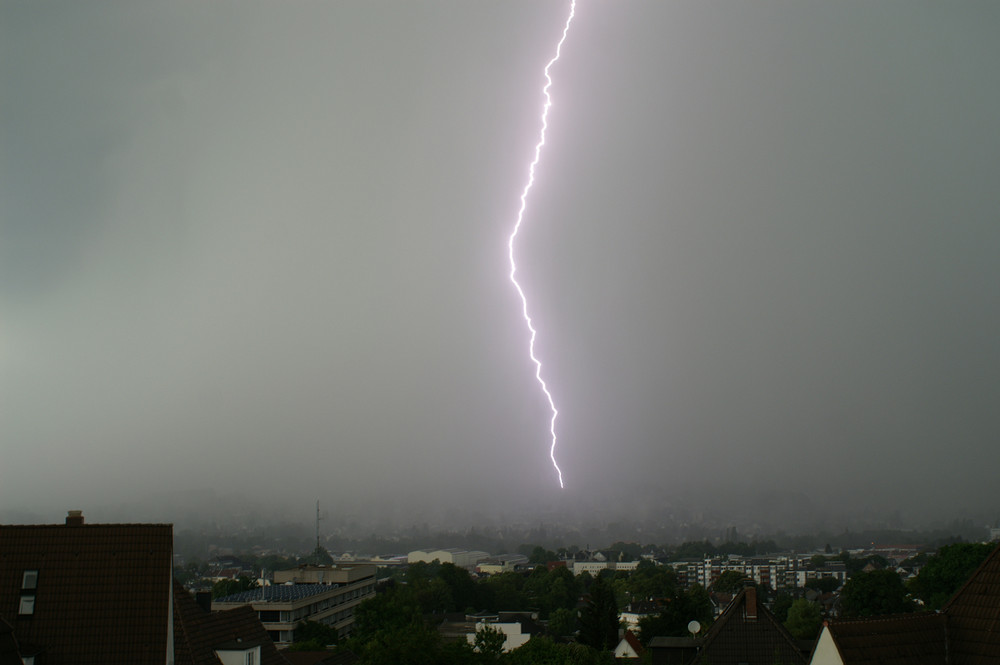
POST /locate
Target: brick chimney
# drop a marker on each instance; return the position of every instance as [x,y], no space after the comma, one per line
[750,601]
[74,518]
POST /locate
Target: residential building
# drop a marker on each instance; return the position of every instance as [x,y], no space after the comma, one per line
[517,628]
[746,632]
[81,593]
[629,648]
[637,610]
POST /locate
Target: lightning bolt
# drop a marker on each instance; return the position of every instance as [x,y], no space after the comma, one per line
[517,228]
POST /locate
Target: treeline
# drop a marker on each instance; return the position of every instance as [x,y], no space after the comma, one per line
[580,613]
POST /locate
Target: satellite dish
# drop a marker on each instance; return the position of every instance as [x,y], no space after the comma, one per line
[694,628]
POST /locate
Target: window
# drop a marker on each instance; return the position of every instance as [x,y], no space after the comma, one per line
[251,657]
[29,580]
[27,605]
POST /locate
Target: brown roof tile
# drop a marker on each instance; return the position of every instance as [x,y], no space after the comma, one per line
[103,590]
[198,633]
[755,637]
[903,639]
[974,616]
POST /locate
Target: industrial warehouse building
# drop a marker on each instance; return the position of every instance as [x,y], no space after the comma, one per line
[462,558]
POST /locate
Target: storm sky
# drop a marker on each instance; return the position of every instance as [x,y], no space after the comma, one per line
[258,249]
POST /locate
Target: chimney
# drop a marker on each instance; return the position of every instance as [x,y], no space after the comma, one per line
[74,518]
[750,601]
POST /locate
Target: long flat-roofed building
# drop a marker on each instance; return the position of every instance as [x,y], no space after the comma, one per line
[324,594]
[459,557]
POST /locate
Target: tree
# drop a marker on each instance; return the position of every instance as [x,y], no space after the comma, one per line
[652,581]
[545,651]
[804,620]
[489,642]
[782,603]
[229,587]
[313,636]
[562,622]
[946,571]
[541,555]
[435,597]
[506,592]
[411,644]
[729,581]
[319,557]
[599,619]
[874,593]
[672,621]
[823,584]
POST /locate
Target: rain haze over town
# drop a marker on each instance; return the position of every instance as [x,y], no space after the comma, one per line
[254,256]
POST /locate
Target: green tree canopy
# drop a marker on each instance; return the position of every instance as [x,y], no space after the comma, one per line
[545,651]
[823,584]
[562,622]
[804,619]
[313,636]
[945,572]
[729,581]
[782,603]
[224,588]
[672,621]
[319,557]
[874,593]
[489,643]
[649,580]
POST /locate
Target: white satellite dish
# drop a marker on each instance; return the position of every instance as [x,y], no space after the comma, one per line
[694,628]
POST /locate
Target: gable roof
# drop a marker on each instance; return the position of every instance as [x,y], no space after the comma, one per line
[633,642]
[902,639]
[747,632]
[974,616]
[197,633]
[87,608]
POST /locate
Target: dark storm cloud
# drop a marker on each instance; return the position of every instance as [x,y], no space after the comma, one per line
[249,247]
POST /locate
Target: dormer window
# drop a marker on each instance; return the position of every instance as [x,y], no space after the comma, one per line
[29,581]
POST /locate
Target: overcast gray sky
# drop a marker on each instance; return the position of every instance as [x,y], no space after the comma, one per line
[260,247]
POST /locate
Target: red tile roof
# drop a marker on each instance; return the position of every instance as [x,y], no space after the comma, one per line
[634,642]
[102,595]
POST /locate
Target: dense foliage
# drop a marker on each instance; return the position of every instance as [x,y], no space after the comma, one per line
[874,593]
[804,619]
[946,571]
[229,587]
